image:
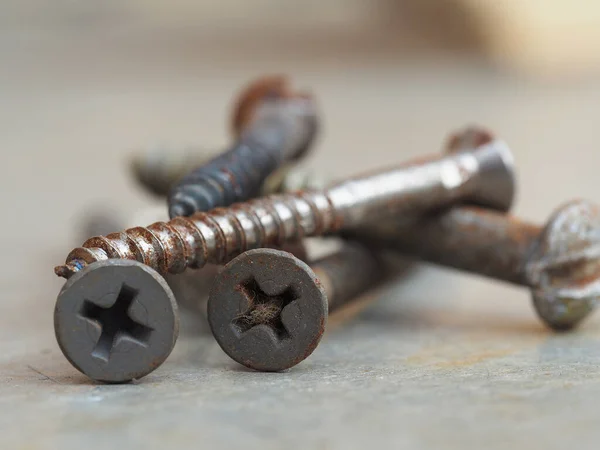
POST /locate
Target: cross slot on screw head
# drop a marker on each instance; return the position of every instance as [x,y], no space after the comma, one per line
[264,322]
[116,320]
[115,323]
[264,309]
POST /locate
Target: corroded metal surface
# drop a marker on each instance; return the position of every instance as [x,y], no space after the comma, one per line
[284,303]
[559,262]
[275,124]
[267,310]
[564,268]
[483,174]
[158,169]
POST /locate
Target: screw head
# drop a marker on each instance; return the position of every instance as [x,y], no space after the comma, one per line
[267,310]
[116,320]
[564,267]
[274,87]
[495,162]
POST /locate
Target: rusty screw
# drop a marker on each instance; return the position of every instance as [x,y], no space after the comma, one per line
[274,125]
[482,174]
[559,262]
[158,169]
[478,170]
[268,310]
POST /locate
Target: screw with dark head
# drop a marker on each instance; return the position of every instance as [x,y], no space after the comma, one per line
[273,124]
[116,320]
[559,262]
[268,310]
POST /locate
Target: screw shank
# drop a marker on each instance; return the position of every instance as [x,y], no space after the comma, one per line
[471,239]
[420,185]
[281,130]
[348,273]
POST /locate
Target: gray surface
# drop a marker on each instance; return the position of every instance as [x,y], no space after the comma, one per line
[445,361]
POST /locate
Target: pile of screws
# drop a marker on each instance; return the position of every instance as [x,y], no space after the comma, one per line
[116,318]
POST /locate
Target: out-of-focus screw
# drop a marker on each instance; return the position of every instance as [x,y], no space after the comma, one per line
[483,175]
[560,261]
[158,169]
[274,125]
[268,310]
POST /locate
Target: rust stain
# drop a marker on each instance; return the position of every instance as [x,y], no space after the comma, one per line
[442,357]
[475,358]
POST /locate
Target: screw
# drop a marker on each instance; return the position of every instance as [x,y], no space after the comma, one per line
[116,320]
[274,125]
[158,169]
[483,175]
[268,310]
[559,262]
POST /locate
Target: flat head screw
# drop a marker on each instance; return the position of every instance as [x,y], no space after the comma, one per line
[116,320]
[559,262]
[268,310]
[483,175]
[273,125]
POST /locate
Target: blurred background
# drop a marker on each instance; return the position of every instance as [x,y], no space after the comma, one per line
[83,84]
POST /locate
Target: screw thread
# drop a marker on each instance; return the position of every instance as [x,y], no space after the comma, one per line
[214,237]
[223,233]
[281,131]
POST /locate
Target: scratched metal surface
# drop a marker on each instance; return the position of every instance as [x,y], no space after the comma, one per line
[442,361]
